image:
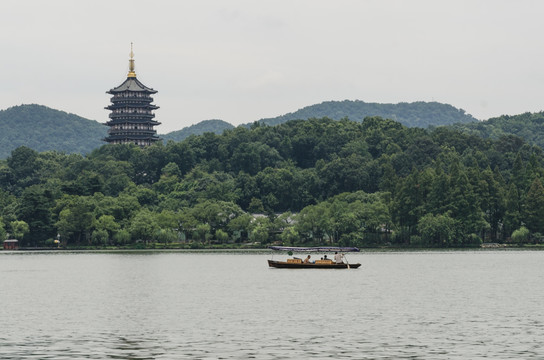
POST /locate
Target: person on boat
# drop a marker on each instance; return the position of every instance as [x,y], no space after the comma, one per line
[307,260]
[338,258]
[325,257]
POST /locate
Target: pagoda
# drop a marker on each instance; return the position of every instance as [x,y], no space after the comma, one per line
[131,118]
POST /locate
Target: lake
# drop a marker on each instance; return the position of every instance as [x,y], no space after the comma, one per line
[198,305]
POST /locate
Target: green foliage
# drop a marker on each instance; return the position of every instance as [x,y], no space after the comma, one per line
[2,230]
[510,128]
[437,230]
[534,207]
[312,182]
[121,237]
[221,236]
[107,223]
[100,237]
[260,230]
[521,235]
[19,229]
[211,126]
[144,226]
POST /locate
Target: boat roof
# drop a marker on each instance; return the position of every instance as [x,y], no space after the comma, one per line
[315,249]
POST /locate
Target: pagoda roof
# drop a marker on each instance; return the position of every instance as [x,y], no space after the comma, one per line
[131,84]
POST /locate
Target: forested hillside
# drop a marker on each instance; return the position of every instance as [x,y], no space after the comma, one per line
[416,114]
[42,129]
[318,182]
[529,126]
[213,126]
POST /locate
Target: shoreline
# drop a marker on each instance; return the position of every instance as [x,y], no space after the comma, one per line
[80,249]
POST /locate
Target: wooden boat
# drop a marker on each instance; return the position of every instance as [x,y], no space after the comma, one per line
[319,264]
[297,263]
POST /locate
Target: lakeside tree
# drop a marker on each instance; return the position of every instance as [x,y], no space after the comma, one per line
[3,234]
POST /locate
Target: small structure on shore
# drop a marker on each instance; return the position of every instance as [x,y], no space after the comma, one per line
[11,244]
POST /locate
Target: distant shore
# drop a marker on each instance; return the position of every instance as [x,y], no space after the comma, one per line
[255,248]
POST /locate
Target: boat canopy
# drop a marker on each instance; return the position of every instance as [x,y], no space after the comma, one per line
[315,249]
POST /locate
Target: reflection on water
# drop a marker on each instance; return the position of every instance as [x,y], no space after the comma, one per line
[426,305]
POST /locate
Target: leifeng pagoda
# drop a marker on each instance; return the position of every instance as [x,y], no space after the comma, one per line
[131,118]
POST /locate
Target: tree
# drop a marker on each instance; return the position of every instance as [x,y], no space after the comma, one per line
[65,227]
[143,226]
[260,230]
[22,163]
[289,236]
[521,235]
[76,219]
[202,233]
[100,237]
[221,236]
[217,214]
[313,222]
[2,230]
[166,235]
[256,206]
[34,208]
[437,230]
[107,223]
[239,226]
[534,207]
[492,200]
[512,215]
[168,220]
[19,229]
[121,237]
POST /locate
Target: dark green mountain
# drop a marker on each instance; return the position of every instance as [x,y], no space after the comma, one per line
[529,126]
[416,114]
[42,129]
[213,126]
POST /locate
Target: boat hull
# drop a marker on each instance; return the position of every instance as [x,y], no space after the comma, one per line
[286,265]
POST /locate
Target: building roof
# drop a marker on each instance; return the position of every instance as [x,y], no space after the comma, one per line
[131,84]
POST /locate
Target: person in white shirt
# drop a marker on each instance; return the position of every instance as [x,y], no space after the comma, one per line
[338,258]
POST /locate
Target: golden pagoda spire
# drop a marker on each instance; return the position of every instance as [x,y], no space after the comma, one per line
[131,72]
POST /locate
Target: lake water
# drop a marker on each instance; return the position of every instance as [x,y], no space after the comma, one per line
[179,305]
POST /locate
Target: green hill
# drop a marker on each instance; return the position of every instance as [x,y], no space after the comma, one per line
[42,128]
[416,114]
[213,126]
[529,126]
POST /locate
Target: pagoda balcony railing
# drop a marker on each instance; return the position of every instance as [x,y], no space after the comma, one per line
[132,99]
[131,116]
[131,132]
[131,106]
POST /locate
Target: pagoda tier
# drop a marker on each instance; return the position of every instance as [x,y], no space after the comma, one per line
[131,118]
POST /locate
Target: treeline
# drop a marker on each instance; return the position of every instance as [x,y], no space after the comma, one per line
[529,126]
[213,126]
[311,182]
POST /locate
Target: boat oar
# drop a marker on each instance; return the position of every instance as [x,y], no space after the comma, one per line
[346,260]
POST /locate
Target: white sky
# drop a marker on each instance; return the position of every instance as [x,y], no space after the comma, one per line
[243,60]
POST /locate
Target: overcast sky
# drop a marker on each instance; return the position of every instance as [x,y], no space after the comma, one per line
[241,61]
